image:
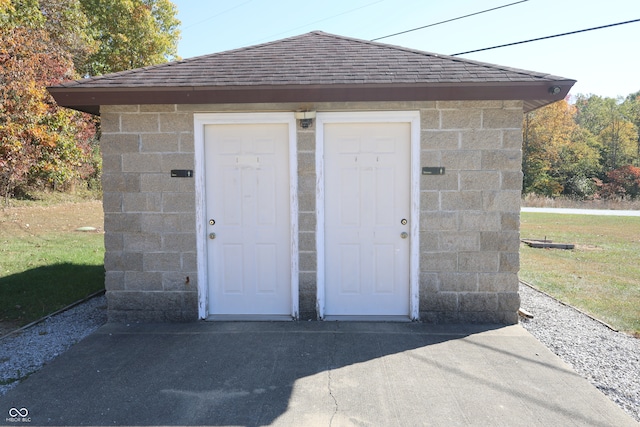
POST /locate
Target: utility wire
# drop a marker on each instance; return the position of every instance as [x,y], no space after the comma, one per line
[449,20]
[546,37]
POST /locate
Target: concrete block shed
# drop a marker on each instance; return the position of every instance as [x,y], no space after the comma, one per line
[314,177]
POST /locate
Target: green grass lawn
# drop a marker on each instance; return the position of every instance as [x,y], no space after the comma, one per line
[601,276]
[41,272]
[45,271]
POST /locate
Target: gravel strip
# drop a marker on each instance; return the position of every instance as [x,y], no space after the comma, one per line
[26,351]
[609,360]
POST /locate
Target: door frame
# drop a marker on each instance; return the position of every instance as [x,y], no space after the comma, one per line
[411,117]
[200,121]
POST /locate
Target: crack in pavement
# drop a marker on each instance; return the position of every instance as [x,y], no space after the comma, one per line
[329,376]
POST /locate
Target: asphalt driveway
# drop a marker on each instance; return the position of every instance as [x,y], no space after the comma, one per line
[309,374]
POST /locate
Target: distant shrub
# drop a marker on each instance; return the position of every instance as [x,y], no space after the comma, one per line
[623,182]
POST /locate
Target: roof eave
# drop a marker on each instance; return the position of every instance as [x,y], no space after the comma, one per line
[533,94]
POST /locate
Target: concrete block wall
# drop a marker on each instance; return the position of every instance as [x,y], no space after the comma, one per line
[150,240]
[470,216]
[308,254]
[469,225]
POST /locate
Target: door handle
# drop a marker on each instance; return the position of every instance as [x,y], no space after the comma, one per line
[212,236]
[404,234]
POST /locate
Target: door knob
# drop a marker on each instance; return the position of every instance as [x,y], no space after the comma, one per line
[212,236]
[404,234]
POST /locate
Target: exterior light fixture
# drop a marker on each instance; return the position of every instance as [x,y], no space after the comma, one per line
[305,117]
[554,90]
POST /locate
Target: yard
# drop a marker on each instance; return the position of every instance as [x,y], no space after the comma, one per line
[46,264]
[601,276]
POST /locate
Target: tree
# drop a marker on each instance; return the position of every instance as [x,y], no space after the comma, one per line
[130,34]
[611,121]
[592,112]
[558,155]
[631,108]
[68,28]
[579,164]
[544,130]
[622,183]
[619,144]
[39,142]
[63,21]
[24,13]
[44,42]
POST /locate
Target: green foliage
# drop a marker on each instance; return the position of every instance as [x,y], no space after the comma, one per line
[68,27]
[45,42]
[23,13]
[558,154]
[612,122]
[39,142]
[131,33]
[570,149]
[592,112]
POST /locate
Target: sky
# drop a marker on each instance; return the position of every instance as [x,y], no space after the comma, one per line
[605,62]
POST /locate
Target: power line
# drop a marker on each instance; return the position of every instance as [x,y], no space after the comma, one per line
[547,37]
[449,20]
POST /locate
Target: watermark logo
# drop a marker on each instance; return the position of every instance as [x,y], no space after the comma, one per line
[18,416]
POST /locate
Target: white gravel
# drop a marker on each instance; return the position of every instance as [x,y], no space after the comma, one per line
[26,351]
[609,360]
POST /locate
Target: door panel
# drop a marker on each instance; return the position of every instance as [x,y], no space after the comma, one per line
[367,194]
[247,197]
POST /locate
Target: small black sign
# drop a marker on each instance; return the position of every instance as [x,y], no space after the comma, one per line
[181,173]
[433,171]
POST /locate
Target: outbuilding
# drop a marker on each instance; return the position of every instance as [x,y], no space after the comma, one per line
[314,177]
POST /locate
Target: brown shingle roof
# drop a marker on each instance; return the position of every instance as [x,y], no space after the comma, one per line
[313,67]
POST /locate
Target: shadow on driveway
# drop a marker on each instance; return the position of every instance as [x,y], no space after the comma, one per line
[308,374]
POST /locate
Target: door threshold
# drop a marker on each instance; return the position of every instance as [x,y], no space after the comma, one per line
[366,318]
[249,318]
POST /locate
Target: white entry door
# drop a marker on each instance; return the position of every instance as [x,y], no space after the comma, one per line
[248,219]
[367,178]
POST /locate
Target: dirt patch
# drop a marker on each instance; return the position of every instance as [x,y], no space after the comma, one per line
[66,217]
[588,248]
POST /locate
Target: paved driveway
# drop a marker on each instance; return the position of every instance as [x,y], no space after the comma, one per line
[310,374]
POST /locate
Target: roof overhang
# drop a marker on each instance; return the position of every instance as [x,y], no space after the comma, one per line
[533,94]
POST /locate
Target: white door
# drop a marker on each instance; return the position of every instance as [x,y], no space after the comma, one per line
[367,212]
[248,219]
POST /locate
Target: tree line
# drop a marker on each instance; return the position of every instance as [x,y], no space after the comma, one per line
[586,149]
[46,42]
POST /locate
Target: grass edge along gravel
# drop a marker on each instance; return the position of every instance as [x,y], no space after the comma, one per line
[46,268]
[601,276]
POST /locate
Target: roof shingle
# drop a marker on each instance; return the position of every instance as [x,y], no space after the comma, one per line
[315,59]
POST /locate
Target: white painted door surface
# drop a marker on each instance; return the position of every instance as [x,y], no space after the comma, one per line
[247,207]
[367,208]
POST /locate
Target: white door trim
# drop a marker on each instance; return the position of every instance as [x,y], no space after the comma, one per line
[411,117]
[202,119]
